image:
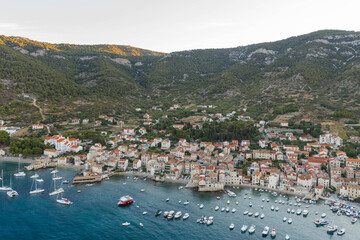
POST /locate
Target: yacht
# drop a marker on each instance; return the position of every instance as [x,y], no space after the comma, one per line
[19,173]
[40,180]
[36,189]
[54,171]
[233,210]
[181,187]
[171,215]
[125,224]
[216,208]
[284,219]
[65,182]
[125,200]
[265,232]
[246,212]
[186,216]
[60,199]
[4,188]
[256,214]
[290,221]
[244,228]
[273,233]
[252,229]
[178,215]
[320,222]
[262,216]
[35,175]
[231,226]
[201,206]
[341,232]
[11,192]
[231,194]
[56,190]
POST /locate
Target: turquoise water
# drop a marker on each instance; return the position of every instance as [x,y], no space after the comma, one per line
[95,214]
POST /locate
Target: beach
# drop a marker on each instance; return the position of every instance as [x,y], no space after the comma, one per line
[16,159]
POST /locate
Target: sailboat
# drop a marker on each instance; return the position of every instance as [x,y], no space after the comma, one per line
[3,188]
[12,193]
[19,173]
[60,199]
[36,189]
[59,190]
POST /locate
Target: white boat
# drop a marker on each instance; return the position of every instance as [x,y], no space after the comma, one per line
[216,208]
[171,215]
[252,229]
[287,237]
[298,212]
[4,188]
[293,211]
[210,220]
[228,202]
[65,182]
[166,213]
[276,201]
[40,180]
[168,199]
[341,232]
[201,206]
[277,209]
[179,201]
[54,171]
[305,212]
[186,202]
[246,212]
[35,175]
[12,193]
[244,228]
[263,200]
[267,200]
[53,183]
[60,199]
[125,224]
[222,209]
[181,187]
[353,220]
[250,214]
[323,215]
[19,173]
[186,216]
[284,219]
[233,210]
[142,190]
[36,189]
[273,233]
[145,212]
[237,203]
[290,221]
[231,194]
[218,198]
[265,232]
[261,206]
[250,204]
[227,209]
[141,225]
[288,210]
[272,208]
[178,215]
[231,226]
[262,216]
[256,214]
[331,228]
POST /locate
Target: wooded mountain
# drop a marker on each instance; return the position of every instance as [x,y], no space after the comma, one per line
[316,73]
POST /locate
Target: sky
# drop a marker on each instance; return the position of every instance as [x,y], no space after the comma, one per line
[173,25]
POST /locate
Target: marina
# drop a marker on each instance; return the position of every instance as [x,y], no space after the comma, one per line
[96,208]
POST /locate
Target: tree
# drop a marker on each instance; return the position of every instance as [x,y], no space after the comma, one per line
[4,138]
[323,167]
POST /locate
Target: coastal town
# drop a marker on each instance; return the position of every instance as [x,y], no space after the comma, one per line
[280,158]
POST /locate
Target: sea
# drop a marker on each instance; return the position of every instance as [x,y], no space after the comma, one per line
[95,214]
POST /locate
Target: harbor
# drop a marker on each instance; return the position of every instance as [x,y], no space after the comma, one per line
[96,208]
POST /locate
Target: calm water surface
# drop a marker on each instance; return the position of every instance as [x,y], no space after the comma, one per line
[95,214]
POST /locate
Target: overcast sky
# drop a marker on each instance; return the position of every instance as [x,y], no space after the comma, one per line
[173,25]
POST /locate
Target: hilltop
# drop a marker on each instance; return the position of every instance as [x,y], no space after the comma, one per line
[313,74]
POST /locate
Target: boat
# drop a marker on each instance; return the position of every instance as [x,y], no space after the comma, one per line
[231,226]
[186,202]
[250,214]
[222,209]
[331,228]
[19,173]
[256,214]
[292,211]
[54,171]
[353,220]
[284,219]
[305,212]
[142,190]
[79,191]
[274,194]
[265,232]
[125,200]
[298,212]
[60,199]
[179,201]
[228,202]
[288,210]
[273,233]
[261,206]
[36,189]
[290,221]
[145,212]
[250,204]
[56,190]
[252,229]
[4,188]
[267,200]
[262,216]
[341,232]
[323,215]
[181,187]
[272,208]
[246,212]
[178,215]
[276,201]
[201,206]
[170,215]
[287,237]
[231,194]
[125,224]
[186,216]
[158,212]
[218,198]
[237,203]
[320,222]
[168,199]
[166,213]
[216,208]
[277,209]
[210,220]
[39,180]
[141,225]
[12,193]
[227,209]
[244,228]
[35,175]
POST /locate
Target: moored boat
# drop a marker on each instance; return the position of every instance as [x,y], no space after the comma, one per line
[244,228]
[186,216]
[252,229]
[265,232]
[232,226]
[125,200]
[158,212]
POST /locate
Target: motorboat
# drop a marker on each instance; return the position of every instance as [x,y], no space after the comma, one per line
[341,232]
[145,212]
[222,209]
[244,228]
[232,226]
[186,202]
[292,211]
[181,187]
[231,194]
[250,214]
[288,210]
[354,220]
[54,171]
[228,202]
[170,215]
[186,216]
[277,209]
[320,222]
[142,190]
[178,215]
[201,206]
[284,219]
[250,204]
[141,225]
[267,200]
[252,229]
[125,224]
[227,209]
[12,193]
[216,208]
[237,203]
[65,182]
[323,215]
[125,200]
[305,212]
[210,220]
[262,216]
[179,201]
[265,232]
[233,210]
[298,212]
[168,199]
[331,228]
[166,213]
[287,237]
[246,212]
[273,233]
[263,200]
[272,208]
[158,212]
[256,214]
[261,206]
[40,180]
[218,198]
[290,221]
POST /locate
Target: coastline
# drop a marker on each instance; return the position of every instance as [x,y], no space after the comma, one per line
[147,175]
[16,159]
[266,188]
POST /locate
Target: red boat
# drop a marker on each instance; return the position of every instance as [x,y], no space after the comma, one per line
[125,200]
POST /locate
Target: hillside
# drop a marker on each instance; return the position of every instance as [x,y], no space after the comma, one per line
[315,74]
